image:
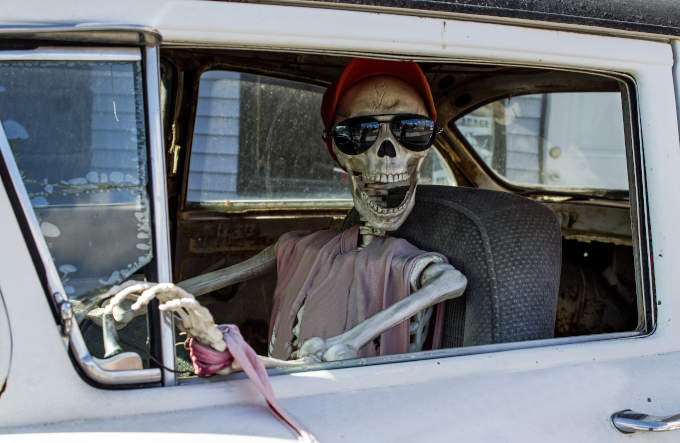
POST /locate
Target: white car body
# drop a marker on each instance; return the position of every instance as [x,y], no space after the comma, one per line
[559,390]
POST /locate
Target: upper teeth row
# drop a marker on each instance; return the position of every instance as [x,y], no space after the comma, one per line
[384,178]
[381,210]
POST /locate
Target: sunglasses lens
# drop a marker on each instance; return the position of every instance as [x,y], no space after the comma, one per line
[415,133]
[356,136]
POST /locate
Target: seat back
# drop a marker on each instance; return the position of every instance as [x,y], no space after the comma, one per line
[508,247]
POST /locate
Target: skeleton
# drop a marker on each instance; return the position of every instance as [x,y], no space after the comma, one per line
[384,165]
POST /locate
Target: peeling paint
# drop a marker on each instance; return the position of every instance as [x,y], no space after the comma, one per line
[50,230]
[443,33]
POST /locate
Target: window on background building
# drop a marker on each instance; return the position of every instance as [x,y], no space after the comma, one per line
[258,139]
[566,140]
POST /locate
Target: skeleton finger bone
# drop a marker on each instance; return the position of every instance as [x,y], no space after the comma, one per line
[118,288]
[162,291]
[128,291]
[183,315]
[117,313]
[196,320]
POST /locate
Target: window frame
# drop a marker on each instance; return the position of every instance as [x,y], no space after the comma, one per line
[72,338]
[640,230]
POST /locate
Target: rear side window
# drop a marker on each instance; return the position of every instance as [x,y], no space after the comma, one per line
[564,140]
[257,140]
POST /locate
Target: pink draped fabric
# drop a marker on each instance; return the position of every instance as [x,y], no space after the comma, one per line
[340,286]
[208,361]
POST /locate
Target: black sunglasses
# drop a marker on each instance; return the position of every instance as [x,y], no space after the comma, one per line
[356,135]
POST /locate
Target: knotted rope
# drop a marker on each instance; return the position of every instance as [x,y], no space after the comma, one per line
[208,361]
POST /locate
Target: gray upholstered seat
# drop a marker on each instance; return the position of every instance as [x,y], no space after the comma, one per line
[509,248]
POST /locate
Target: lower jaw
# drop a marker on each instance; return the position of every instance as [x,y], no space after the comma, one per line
[385,221]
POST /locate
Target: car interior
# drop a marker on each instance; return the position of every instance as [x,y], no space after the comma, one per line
[597,283]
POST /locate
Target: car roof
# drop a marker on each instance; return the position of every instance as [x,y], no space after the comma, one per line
[145,22]
[642,16]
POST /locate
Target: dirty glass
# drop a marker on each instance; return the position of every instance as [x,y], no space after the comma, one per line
[569,140]
[259,139]
[77,132]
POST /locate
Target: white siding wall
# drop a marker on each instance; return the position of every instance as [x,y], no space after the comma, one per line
[522,139]
[114,128]
[586,145]
[214,152]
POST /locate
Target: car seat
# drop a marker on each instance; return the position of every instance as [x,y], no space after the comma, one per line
[508,247]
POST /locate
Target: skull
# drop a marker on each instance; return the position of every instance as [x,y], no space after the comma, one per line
[387,163]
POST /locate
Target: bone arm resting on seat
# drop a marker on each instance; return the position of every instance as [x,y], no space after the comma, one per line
[256,266]
[440,282]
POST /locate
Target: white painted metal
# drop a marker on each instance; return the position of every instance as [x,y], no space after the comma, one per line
[559,393]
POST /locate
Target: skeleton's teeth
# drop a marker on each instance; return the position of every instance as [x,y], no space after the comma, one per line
[384,178]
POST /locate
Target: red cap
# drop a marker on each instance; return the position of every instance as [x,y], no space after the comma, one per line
[362,68]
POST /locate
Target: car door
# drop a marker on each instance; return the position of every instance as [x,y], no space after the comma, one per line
[520,390]
[562,389]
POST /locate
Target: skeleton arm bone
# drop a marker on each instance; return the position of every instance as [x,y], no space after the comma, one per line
[255,266]
[440,282]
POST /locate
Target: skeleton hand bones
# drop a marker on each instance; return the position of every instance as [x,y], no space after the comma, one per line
[195,320]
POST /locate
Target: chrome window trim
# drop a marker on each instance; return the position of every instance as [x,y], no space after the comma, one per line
[84,33]
[160,203]
[242,206]
[74,340]
[50,53]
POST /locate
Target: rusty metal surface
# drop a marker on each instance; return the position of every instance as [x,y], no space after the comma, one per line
[210,240]
[588,222]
